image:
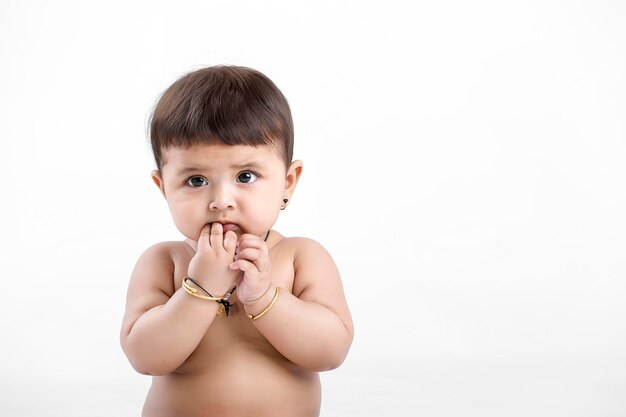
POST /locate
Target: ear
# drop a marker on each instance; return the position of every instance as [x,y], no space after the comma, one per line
[293,175]
[158,180]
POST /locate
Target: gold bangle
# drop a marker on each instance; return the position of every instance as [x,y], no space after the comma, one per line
[193,291]
[266,309]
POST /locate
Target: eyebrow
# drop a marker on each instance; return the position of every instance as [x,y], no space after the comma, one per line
[188,170]
[191,169]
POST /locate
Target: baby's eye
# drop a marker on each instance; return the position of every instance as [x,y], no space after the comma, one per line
[196,181]
[246,177]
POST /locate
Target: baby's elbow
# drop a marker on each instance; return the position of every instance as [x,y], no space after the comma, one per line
[152,371]
[329,366]
[326,364]
[333,359]
[145,367]
[141,369]
[338,355]
[144,363]
[338,359]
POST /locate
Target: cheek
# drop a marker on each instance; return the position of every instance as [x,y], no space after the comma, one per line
[186,219]
[269,210]
[260,214]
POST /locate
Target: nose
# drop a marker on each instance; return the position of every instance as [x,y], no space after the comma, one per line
[222,198]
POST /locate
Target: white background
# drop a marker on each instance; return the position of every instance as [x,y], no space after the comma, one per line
[464,165]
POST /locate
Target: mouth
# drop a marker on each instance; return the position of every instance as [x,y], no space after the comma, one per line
[226,225]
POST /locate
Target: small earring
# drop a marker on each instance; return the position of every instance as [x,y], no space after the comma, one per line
[284,206]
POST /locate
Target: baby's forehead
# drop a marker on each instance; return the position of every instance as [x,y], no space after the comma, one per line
[220,155]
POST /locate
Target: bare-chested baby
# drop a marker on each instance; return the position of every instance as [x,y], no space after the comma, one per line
[236,320]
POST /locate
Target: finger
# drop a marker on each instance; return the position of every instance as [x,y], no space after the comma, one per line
[257,256]
[243,266]
[203,239]
[249,241]
[230,242]
[216,235]
[250,238]
[249,254]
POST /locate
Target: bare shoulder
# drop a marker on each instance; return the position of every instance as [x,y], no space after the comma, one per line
[303,247]
[306,251]
[155,263]
[317,278]
[315,271]
[151,282]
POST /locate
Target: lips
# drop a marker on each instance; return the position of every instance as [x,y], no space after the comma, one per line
[229,226]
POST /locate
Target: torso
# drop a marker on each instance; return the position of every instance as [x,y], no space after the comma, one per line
[235,371]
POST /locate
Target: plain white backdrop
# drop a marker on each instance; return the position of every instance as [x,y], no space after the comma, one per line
[464,164]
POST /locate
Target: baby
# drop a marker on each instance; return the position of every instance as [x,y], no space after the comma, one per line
[236,320]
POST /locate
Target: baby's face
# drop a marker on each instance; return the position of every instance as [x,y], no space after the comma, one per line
[240,186]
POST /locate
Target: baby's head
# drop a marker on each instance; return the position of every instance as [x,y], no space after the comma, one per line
[227,105]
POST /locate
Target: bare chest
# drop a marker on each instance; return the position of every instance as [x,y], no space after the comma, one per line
[234,334]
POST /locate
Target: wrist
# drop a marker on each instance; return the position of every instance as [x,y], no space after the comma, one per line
[214,282]
[256,305]
[202,290]
[251,300]
[255,317]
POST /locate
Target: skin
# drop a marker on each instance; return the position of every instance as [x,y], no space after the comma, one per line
[224,199]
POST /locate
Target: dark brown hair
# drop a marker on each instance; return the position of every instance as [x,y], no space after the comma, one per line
[228,105]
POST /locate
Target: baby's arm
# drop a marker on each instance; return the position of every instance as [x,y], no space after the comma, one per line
[160,331]
[311,327]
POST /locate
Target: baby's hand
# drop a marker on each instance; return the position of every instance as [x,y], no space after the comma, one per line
[209,266]
[253,259]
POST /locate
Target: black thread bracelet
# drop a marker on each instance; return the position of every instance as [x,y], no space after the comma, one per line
[224,301]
